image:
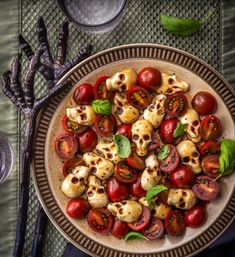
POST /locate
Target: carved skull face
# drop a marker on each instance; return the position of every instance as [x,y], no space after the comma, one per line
[122,81]
[189,155]
[191,122]
[142,136]
[97,196]
[150,177]
[171,84]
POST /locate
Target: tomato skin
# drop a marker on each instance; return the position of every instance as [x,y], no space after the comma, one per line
[176,104]
[100,90]
[124,173]
[138,97]
[204,103]
[77,208]
[83,94]
[136,188]
[210,166]
[142,222]
[167,129]
[135,161]
[149,78]
[155,229]
[71,126]
[70,164]
[211,128]
[171,161]
[209,147]
[125,130]
[105,125]
[195,217]
[116,190]
[174,223]
[87,140]
[120,228]
[163,196]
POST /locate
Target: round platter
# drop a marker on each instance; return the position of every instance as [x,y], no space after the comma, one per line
[47,165]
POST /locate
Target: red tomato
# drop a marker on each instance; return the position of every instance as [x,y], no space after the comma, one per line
[69,165]
[210,166]
[142,222]
[176,104]
[183,177]
[83,94]
[100,90]
[66,146]
[195,217]
[135,161]
[138,97]
[174,223]
[156,142]
[105,125]
[155,229]
[100,220]
[120,228]
[116,190]
[171,161]
[87,140]
[211,128]
[77,208]
[149,78]
[136,188]
[209,147]
[125,173]
[71,126]
[204,103]
[125,130]
[167,129]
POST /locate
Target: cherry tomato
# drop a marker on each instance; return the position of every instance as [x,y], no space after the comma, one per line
[204,103]
[125,130]
[210,166]
[135,161]
[149,78]
[105,125]
[125,173]
[71,126]
[163,196]
[206,188]
[195,217]
[100,90]
[120,228]
[155,229]
[183,177]
[138,97]
[142,222]
[167,129]
[171,161]
[83,94]
[87,140]
[156,142]
[116,190]
[136,188]
[69,165]
[176,104]
[209,147]
[211,128]
[100,220]
[174,223]
[77,208]
[66,146]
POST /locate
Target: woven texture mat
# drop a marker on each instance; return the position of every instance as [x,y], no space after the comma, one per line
[140,23]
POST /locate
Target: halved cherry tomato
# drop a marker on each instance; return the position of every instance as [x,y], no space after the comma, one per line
[125,173]
[135,161]
[174,223]
[71,126]
[163,196]
[176,104]
[83,94]
[125,130]
[105,125]
[167,129]
[69,165]
[100,220]
[87,140]
[171,161]
[138,97]
[183,177]
[66,146]
[210,166]
[100,90]
[149,78]
[142,222]
[77,208]
[209,147]
[120,228]
[116,190]
[211,128]
[136,188]
[195,217]
[155,229]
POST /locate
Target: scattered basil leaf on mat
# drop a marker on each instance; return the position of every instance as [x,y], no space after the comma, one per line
[152,192]
[183,26]
[134,235]
[102,106]
[227,156]
[164,152]
[123,145]
[179,130]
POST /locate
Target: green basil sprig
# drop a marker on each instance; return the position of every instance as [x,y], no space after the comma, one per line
[164,152]
[179,130]
[102,106]
[152,192]
[134,235]
[227,157]
[123,145]
[183,26]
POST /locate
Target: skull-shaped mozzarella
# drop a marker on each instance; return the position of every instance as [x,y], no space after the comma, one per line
[142,131]
[99,166]
[171,84]
[160,210]
[96,195]
[122,81]
[123,110]
[151,161]
[108,150]
[93,181]
[191,123]
[150,177]
[74,184]
[189,155]
[82,114]
[144,202]
[127,210]
[155,112]
[181,198]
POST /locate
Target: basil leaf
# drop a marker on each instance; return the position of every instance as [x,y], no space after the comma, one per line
[152,192]
[102,106]
[134,235]
[179,130]
[164,152]
[123,145]
[227,156]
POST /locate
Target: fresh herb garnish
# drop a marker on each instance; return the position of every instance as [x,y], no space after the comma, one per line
[152,192]
[102,106]
[123,145]
[179,130]
[164,152]
[227,157]
[134,235]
